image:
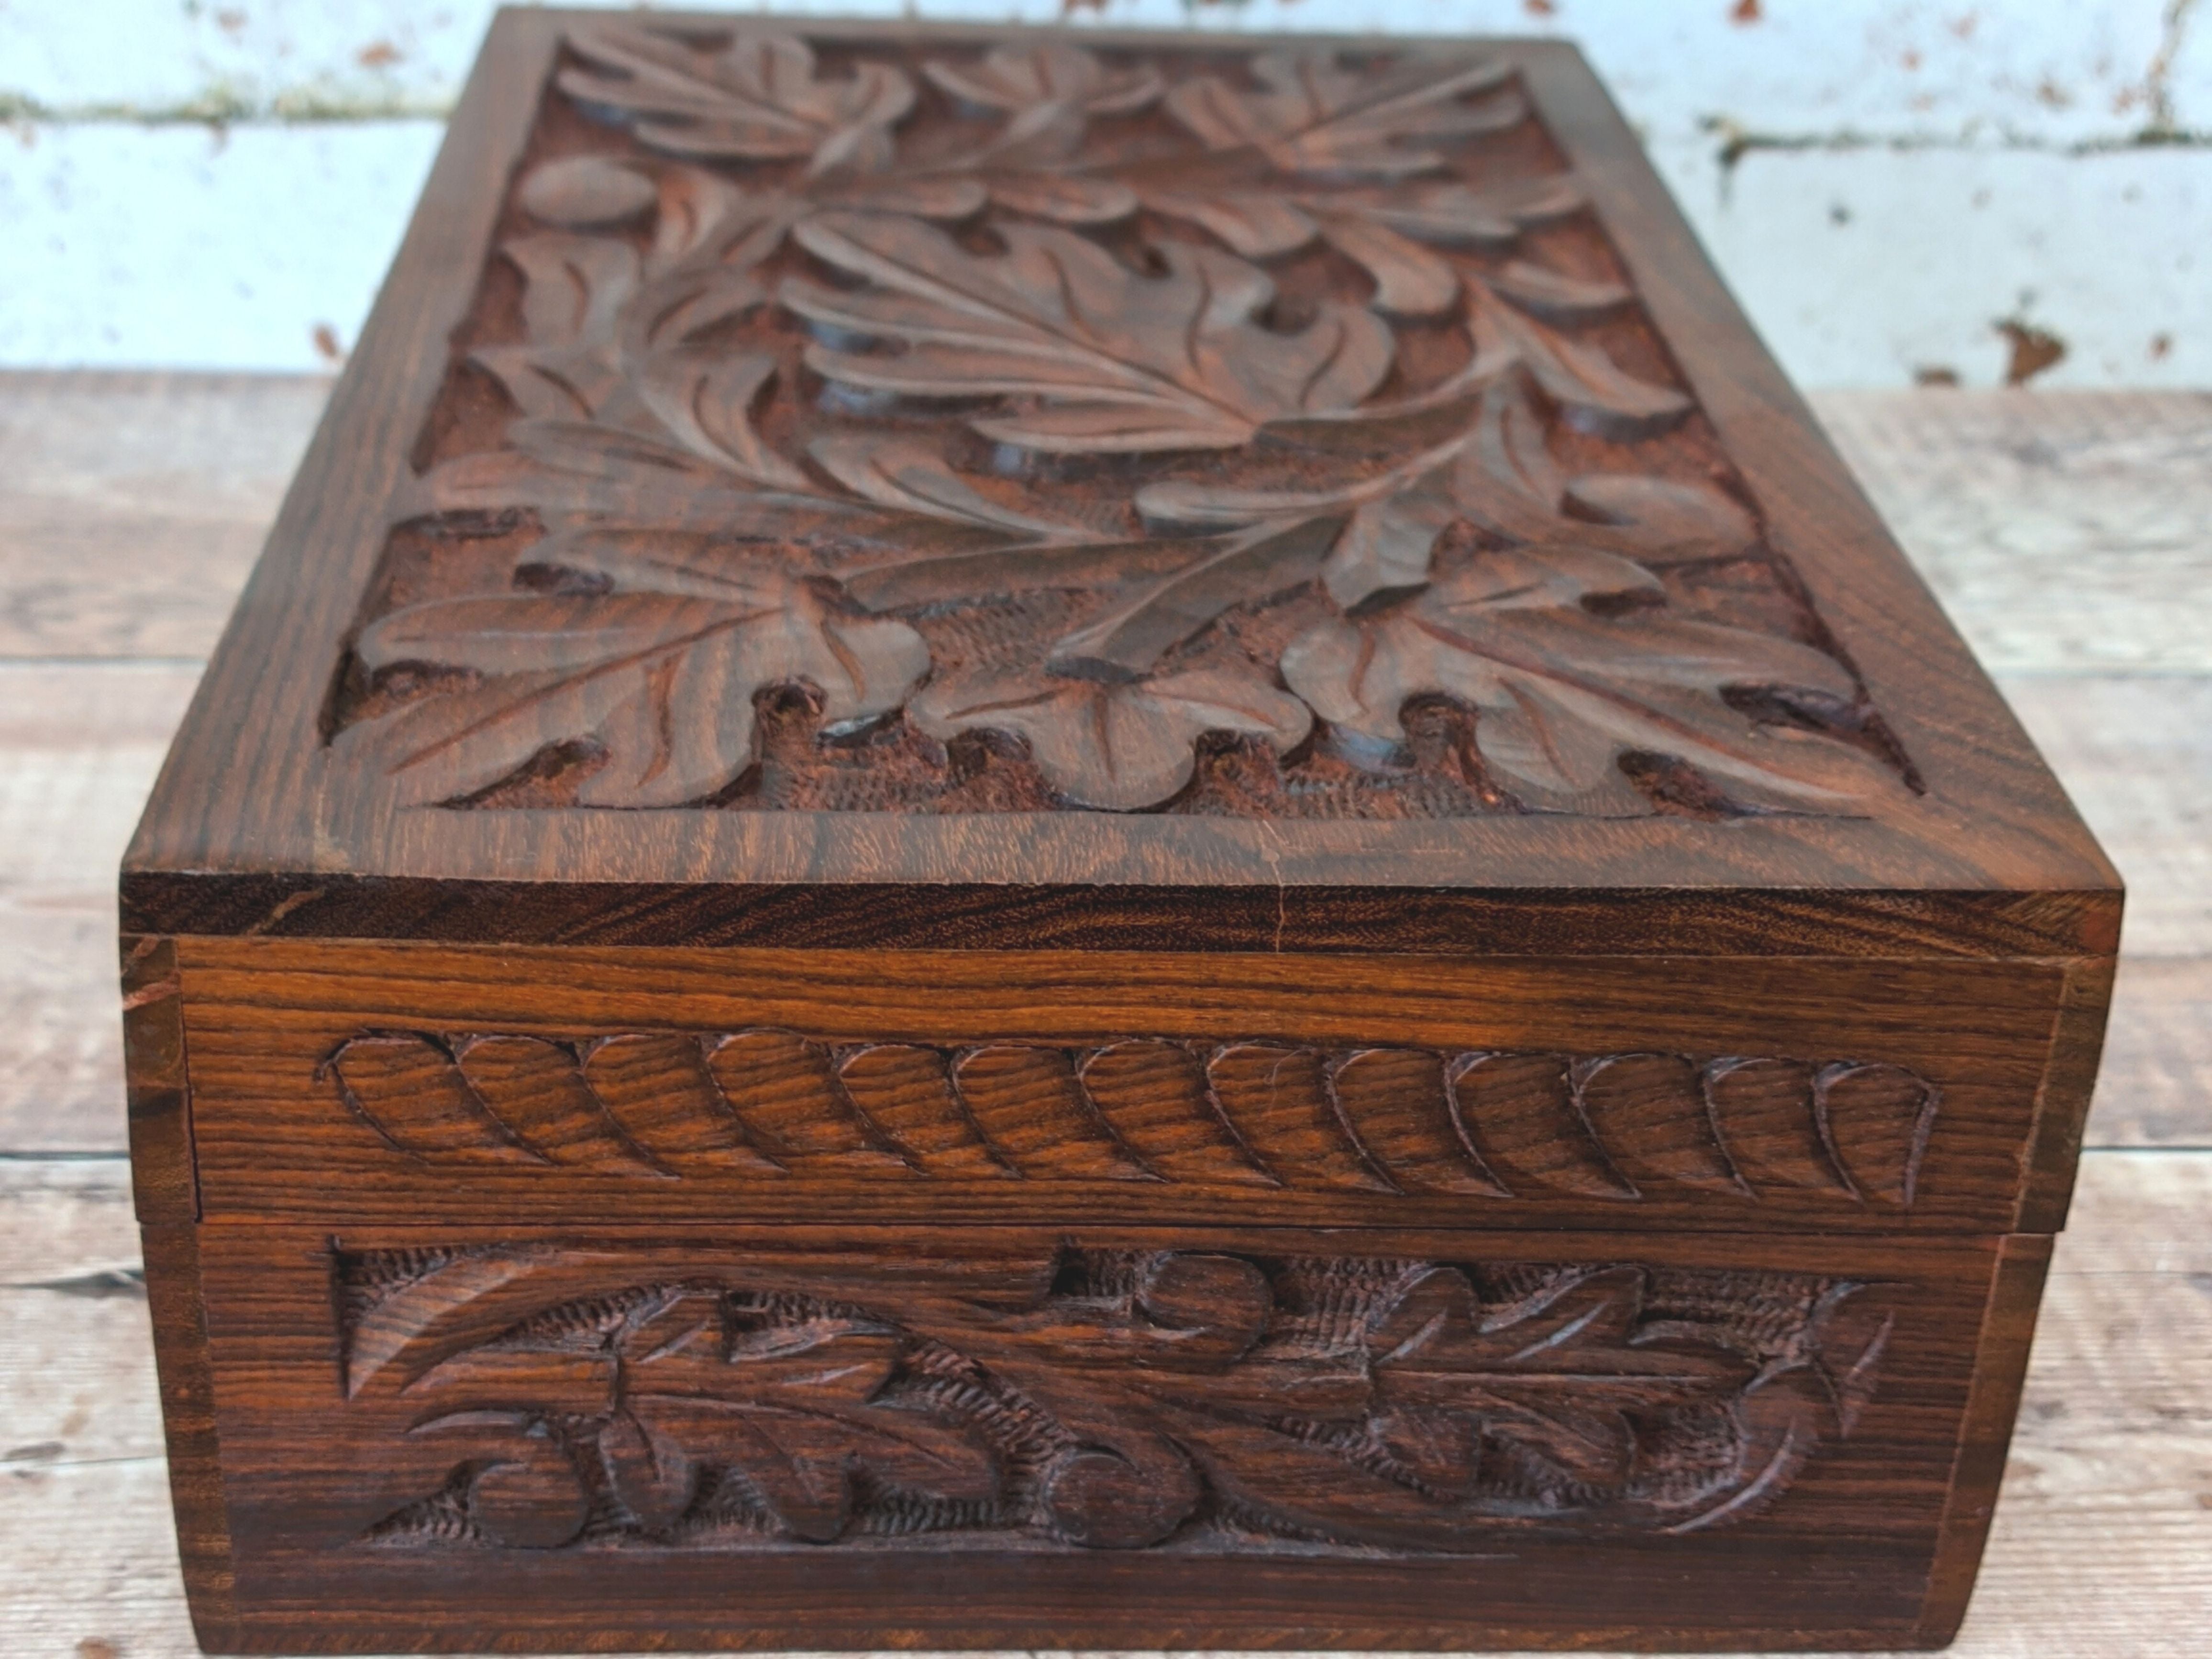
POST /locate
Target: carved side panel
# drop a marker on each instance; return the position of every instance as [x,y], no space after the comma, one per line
[1154,1399]
[881,426]
[1247,1117]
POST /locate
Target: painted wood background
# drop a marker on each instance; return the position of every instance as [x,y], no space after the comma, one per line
[1897,189]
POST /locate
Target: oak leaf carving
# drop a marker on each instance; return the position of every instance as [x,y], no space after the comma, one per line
[1383,1443]
[1496,474]
[1563,692]
[1559,1376]
[1595,392]
[576,470]
[1117,746]
[797,1409]
[1314,115]
[909,477]
[1492,217]
[1115,361]
[1017,79]
[1049,91]
[651,654]
[759,97]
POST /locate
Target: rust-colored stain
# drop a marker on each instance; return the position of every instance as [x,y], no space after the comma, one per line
[230,22]
[1538,7]
[2034,349]
[1934,375]
[2161,347]
[326,344]
[1746,11]
[378,54]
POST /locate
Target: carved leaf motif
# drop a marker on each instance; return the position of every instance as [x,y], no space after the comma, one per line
[574,290]
[796,1408]
[573,287]
[1564,691]
[588,192]
[707,402]
[1668,519]
[1409,280]
[1048,90]
[1595,392]
[909,475]
[1549,293]
[1339,1401]
[1384,549]
[1560,1378]
[1014,79]
[1255,564]
[759,97]
[1258,224]
[1117,747]
[1316,117]
[1557,1376]
[656,668]
[1117,361]
[1498,474]
[1454,216]
[1066,198]
[573,468]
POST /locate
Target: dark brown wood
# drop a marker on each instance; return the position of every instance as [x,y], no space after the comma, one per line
[2000,1367]
[1207,1438]
[175,1300]
[231,809]
[157,1087]
[2076,1041]
[339,1080]
[1049,844]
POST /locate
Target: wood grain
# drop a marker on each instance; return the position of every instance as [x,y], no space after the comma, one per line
[86,741]
[2054,526]
[2099,1547]
[700,1084]
[2005,871]
[79,747]
[132,506]
[2058,529]
[2023,838]
[2138,759]
[303,1472]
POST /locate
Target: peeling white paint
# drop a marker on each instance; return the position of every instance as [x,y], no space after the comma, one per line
[1880,179]
[1870,268]
[2045,71]
[182,248]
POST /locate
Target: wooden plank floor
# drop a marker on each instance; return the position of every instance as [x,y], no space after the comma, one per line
[2070,535]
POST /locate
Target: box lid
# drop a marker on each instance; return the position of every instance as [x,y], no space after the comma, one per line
[872,484]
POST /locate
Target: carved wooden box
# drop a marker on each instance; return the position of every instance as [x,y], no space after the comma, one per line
[1046,845]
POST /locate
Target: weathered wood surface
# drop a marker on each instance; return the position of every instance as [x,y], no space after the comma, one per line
[2063,534]
[2103,1541]
[133,505]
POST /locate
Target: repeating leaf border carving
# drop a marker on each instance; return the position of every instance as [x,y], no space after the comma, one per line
[642,640]
[1251,1116]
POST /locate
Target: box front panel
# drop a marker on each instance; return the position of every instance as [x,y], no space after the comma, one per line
[356,1082]
[974,1436]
